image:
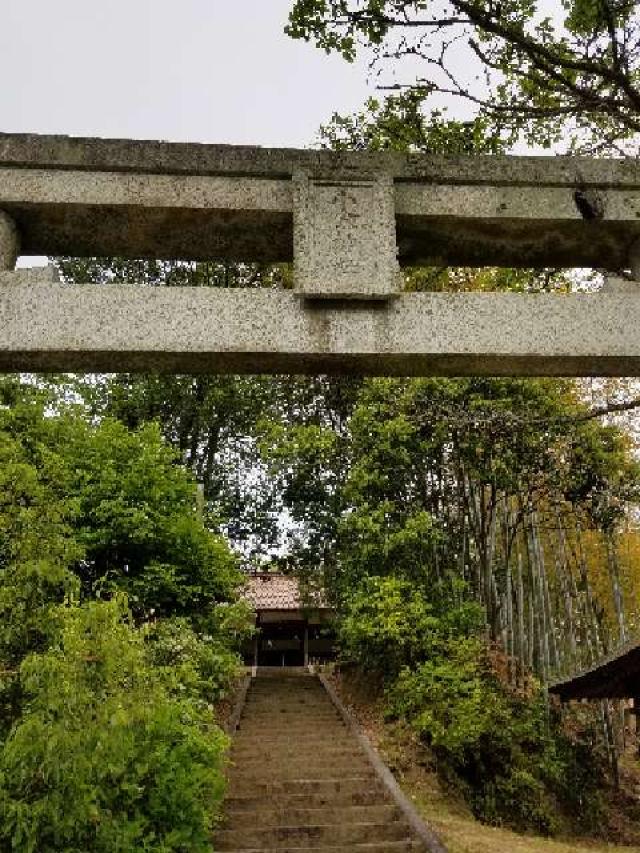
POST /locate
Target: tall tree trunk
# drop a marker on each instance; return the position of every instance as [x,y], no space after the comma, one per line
[614,574]
[563,571]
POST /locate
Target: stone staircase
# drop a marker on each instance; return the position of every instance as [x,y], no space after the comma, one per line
[299,779]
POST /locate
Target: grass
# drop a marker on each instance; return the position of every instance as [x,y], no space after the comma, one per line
[461,833]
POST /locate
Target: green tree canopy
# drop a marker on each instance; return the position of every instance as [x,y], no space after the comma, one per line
[530,69]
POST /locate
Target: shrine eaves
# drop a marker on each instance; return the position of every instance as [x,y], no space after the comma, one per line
[349,222]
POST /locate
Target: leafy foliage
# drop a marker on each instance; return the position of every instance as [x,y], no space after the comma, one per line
[136,522]
[107,733]
[103,757]
[389,624]
[570,70]
[513,763]
[202,664]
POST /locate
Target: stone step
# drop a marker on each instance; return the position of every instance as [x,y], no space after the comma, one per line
[346,786]
[291,706]
[283,684]
[270,695]
[308,701]
[290,711]
[291,756]
[249,746]
[319,769]
[288,816]
[301,722]
[287,735]
[283,739]
[270,687]
[279,800]
[309,836]
[311,712]
[277,684]
[279,737]
[291,716]
[289,750]
[301,719]
[293,731]
[306,698]
[299,774]
[299,780]
[388,847]
[271,691]
[306,722]
[282,672]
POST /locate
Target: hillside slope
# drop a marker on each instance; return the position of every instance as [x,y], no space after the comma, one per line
[446,812]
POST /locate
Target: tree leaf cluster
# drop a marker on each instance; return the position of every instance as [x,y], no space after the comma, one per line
[570,72]
[104,756]
[120,629]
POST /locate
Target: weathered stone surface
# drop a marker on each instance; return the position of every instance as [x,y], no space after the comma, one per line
[160,200]
[9,242]
[344,238]
[120,328]
[147,157]
[74,212]
[152,199]
[634,260]
[616,284]
[501,225]
[31,276]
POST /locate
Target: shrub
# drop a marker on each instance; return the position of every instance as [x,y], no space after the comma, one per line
[506,753]
[444,698]
[105,757]
[389,624]
[205,662]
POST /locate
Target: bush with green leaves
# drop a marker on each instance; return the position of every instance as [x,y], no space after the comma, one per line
[37,545]
[108,740]
[388,624]
[136,520]
[106,756]
[510,758]
[204,663]
[507,754]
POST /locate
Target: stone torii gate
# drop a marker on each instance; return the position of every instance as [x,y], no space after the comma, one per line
[349,221]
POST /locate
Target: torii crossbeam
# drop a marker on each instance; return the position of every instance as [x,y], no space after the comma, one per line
[349,221]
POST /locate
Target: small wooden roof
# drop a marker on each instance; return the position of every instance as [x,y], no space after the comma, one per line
[617,676]
[274,591]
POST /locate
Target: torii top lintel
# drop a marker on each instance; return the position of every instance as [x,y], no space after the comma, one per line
[193,201]
[349,221]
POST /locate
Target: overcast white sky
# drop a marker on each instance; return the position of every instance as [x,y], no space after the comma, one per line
[192,70]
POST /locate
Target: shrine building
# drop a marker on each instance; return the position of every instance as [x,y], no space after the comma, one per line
[294,625]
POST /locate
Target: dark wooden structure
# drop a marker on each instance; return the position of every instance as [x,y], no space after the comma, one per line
[293,625]
[617,676]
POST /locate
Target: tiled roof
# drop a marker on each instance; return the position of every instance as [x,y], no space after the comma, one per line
[271,591]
